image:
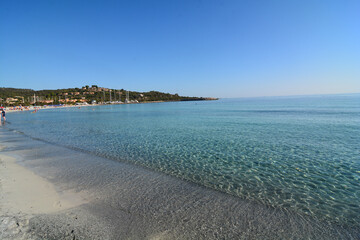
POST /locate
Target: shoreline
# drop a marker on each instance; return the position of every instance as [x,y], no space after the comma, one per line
[132,202]
[32,108]
[31,194]
[24,195]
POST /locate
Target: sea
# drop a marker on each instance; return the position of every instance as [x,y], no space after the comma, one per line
[300,153]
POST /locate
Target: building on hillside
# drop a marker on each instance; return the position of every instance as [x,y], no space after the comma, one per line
[47,101]
[11,100]
[100,89]
[20,98]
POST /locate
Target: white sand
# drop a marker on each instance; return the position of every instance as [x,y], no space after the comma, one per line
[28,193]
[24,194]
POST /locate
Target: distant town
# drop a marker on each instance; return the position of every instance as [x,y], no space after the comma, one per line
[83,96]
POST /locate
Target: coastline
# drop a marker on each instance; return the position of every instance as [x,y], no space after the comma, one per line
[25,194]
[106,199]
[32,108]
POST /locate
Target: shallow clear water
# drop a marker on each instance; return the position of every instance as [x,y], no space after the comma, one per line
[299,153]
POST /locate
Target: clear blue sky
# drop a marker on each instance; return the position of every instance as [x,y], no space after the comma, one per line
[198,48]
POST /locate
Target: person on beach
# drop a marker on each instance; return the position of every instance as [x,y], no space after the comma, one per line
[3,114]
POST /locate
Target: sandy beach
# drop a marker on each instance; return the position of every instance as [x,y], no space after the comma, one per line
[33,108]
[25,194]
[52,192]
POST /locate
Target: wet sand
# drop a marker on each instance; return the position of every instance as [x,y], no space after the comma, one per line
[52,192]
[25,194]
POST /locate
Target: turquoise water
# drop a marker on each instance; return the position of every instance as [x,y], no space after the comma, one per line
[297,153]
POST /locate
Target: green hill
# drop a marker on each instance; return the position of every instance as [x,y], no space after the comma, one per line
[17,96]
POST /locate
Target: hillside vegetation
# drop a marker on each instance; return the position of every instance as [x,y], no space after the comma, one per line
[86,94]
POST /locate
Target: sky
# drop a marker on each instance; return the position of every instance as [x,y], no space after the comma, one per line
[204,48]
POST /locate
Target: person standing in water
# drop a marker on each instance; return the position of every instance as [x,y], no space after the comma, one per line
[3,114]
